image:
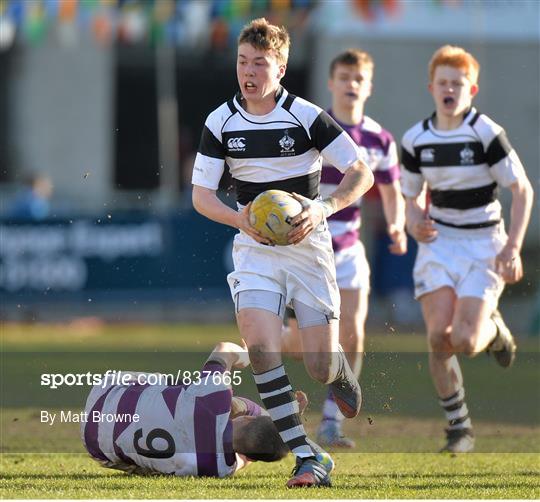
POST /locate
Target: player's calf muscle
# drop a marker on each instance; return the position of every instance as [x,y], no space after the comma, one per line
[319,369]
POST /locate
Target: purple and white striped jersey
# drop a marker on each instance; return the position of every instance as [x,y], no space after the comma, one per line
[181,430]
[380,154]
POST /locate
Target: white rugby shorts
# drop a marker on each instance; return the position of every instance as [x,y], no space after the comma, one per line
[305,271]
[463,260]
[352,268]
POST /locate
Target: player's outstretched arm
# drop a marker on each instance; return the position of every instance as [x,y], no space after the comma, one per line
[230,355]
[357,181]
[508,261]
[206,202]
[394,213]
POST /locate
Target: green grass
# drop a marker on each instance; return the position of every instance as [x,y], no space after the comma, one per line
[358,476]
[399,428]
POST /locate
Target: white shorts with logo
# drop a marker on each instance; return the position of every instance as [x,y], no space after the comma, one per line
[463,260]
[352,268]
[305,271]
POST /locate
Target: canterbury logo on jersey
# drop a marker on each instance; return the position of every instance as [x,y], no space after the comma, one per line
[236,144]
[427,155]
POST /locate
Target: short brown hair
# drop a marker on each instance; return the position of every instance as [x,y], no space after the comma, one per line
[352,57]
[267,37]
[261,441]
[456,57]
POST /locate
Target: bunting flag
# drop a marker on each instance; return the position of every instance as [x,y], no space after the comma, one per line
[164,21]
[370,10]
[35,25]
[67,10]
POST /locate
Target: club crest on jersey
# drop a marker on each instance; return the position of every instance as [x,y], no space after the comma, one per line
[236,144]
[286,143]
[467,155]
[427,155]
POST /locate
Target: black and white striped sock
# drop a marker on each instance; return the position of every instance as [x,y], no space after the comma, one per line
[280,402]
[456,410]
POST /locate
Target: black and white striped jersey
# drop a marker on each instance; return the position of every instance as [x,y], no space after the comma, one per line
[462,169]
[281,150]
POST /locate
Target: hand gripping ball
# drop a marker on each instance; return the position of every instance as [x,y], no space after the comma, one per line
[271,213]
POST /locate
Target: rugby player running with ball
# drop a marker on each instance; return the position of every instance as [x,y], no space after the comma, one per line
[271,139]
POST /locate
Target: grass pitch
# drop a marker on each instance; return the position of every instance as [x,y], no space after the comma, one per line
[358,476]
[397,432]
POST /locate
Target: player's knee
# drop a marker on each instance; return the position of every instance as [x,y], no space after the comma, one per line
[259,355]
[464,346]
[439,340]
[464,338]
[249,324]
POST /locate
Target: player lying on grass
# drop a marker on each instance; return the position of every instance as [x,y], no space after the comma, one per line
[464,255]
[194,430]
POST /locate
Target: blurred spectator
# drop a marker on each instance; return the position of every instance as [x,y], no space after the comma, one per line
[32,201]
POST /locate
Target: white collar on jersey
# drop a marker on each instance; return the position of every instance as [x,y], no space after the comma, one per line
[279,97]
[469,118]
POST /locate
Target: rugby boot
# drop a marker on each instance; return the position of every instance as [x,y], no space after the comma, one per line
[312,471]
[331,435]
[503,346]
[458,441]
[346,389]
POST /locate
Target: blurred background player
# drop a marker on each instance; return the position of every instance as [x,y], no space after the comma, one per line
[273,140]
[194,430]
[464,254]
[350,82]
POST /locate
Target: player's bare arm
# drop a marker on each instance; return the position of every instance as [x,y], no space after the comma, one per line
[394,211]
[508,261]
[230,355]
[357,181]
[206,202]
[419,224]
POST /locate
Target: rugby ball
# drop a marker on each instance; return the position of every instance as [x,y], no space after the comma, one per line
[271,213]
